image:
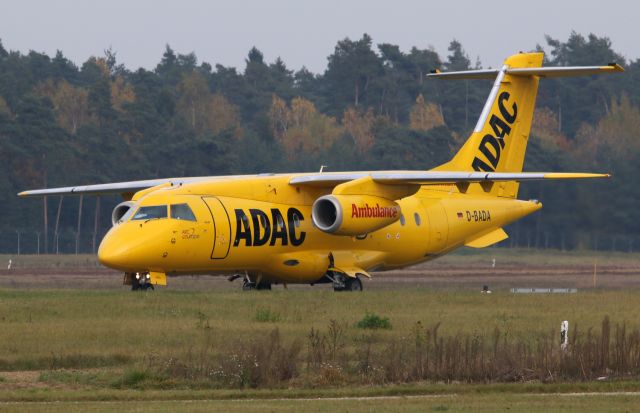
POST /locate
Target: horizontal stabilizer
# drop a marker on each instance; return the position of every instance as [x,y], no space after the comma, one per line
[486,240]
[546,72]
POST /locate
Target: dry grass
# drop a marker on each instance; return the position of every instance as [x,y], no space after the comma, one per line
[222,339]
[443,330]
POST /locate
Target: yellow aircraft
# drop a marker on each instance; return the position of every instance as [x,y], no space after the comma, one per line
[336,227]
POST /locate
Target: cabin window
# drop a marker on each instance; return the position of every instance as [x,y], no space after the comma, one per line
[182,212]
[150,212]
[402,220]
[417,218]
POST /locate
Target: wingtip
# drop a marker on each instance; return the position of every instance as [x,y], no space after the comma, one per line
[616,67]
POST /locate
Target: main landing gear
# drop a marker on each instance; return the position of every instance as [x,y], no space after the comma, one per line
[248,284]
[342,282]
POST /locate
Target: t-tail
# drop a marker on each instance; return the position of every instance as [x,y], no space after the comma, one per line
[499,140]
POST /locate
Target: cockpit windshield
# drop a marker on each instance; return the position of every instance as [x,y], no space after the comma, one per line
[183,212]
[150,212]
[126,215]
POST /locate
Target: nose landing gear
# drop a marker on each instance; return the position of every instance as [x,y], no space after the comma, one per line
[139,281]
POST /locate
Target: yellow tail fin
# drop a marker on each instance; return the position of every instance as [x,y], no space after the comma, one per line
[499,140]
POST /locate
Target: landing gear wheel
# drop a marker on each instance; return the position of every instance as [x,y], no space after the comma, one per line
[263,286]
[342,282]
[250,285]
[353,284]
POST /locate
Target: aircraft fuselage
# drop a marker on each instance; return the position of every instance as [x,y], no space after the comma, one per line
[263,225]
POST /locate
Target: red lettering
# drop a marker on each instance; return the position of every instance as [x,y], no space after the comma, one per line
[376,211]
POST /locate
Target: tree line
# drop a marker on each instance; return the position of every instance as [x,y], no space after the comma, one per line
[372,108]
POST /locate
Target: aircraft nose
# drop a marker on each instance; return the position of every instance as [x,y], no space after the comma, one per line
[113,253]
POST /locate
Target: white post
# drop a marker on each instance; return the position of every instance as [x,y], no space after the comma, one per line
[564,335]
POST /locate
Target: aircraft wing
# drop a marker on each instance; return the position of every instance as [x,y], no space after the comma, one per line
[433,177]
[324,180]
[110,188]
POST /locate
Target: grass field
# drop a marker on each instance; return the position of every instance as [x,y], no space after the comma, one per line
[76,328]
[70,332]
[578,403]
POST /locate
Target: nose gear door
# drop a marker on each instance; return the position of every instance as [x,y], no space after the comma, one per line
[222,228]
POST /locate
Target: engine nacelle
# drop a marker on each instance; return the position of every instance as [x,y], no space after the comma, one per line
[120,211]
[353,214]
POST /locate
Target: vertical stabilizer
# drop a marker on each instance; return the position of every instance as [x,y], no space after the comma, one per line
[499,140]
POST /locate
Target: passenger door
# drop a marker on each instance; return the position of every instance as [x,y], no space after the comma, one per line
[222,228]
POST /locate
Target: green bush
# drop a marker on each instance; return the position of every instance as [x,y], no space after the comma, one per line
[264,315]
[133,378]
[373,322]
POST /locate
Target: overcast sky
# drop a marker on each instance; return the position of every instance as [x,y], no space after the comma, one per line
[302,32]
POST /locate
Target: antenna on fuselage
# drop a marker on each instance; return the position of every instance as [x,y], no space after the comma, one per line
[322,168]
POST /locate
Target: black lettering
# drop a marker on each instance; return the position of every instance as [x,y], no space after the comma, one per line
[509,117]
[500,128]
[279,228]
[481,166]
[294,218]
[243,232]
[492,157]
[259,218]
[468,216]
